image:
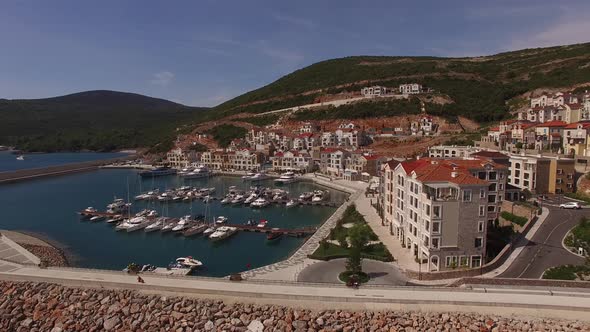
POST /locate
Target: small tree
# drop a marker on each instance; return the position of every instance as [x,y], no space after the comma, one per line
[359,237]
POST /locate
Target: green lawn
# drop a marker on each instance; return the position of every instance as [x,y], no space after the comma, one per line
[580,235]
[327,251]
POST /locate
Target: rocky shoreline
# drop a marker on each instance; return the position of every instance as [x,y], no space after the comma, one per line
[49,256]
[26,306]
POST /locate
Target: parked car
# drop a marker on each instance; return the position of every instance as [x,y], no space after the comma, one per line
[570,205]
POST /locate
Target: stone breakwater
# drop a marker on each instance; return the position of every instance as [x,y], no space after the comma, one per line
[54,308]
[49,256]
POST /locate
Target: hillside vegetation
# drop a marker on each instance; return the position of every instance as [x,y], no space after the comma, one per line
[94,120]
[478,86]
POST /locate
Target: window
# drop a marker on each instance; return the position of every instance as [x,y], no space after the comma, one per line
[559,181]
[482,193]
[427,209]
[466,195]
[491,198]
[517,173]
[492,175]
[436,227]
[480,226]
[481,175]
[463,261]
[437,211]
[492,187]
[501,186]
[451,261]
[559,171]
[435,242]
[491,208]
[475,261]
[517,165]
[482,210]
[478,242]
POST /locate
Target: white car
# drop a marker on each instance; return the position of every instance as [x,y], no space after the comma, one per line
[570,205]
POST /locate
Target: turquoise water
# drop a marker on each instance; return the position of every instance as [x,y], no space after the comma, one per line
[48,207]
[8,160]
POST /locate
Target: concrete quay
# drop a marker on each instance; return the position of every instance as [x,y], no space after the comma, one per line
[35,173]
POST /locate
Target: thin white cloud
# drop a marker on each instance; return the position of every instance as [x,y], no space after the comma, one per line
[298,21]
[163,78]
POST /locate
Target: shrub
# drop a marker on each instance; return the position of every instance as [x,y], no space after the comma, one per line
[521,221]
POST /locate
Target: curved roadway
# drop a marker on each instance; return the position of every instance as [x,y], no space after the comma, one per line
[545,250]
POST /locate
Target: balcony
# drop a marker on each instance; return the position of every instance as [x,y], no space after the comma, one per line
[440,192]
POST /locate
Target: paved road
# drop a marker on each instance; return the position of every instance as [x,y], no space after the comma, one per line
[545,249]
[381,273]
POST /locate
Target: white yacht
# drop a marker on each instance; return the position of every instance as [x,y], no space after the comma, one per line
[222,233]
[239,198]
[262,223]
[182,224]
[152,214]
[21,157]
[288,177]
[130,223]
[248,176]
[89,209]
[209,230]
[97,218]
[306,196]
[221,220]
[189,262]
[259,203]
[115,219]
[318,196]
[258,177]
[292,203]
[117,206]
[253,196]
[156,226]
[227,199]
[199,172]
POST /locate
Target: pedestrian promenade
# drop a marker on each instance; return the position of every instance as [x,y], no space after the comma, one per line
[546,303]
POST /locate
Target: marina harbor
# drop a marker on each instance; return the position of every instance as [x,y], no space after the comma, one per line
[286,213]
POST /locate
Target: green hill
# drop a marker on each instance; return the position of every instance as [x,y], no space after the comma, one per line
[96,120]
[479,86]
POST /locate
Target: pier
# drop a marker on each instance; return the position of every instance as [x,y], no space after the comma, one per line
[297,232]
[35,173]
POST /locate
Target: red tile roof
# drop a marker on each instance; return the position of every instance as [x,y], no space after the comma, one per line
[554,123]
[303,135]
[489,154]
[574,125]
[372,156]
[441,170]
[494,129]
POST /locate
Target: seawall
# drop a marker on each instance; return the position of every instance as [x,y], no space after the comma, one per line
[35,173]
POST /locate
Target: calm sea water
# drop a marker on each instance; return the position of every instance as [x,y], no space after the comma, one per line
[8,160]
[48,207]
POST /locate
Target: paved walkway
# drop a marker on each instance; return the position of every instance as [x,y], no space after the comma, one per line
[10,251]
[381,273]
[557,303]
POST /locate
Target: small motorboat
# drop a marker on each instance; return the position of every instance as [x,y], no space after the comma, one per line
[292,203]
[97,218]
[272,236]
[89,209]
[306,196]
[221,220]
[21,157]
[115,219]
[189,262]
[262,223]
[227,199]
[152,213]
[259,203]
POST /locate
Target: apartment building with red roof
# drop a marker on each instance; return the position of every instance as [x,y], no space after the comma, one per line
[439,209]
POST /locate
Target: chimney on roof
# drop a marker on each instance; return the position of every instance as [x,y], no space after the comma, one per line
[454,173]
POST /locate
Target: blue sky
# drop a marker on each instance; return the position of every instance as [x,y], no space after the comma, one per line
[204,52]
